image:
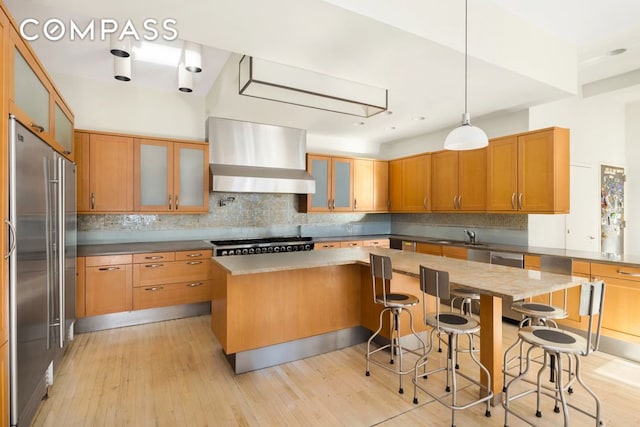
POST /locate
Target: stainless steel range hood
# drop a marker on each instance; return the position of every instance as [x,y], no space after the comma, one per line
[257,158]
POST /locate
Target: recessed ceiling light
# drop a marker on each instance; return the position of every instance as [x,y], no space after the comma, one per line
[358,123]
[157,54]
[417,118]
[390,128]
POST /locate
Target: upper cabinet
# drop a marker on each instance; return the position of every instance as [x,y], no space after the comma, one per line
[35,101]
[170,176]
[122,173]
[370,185]
[334,184]
[410,184]
[529,172]
[105,172]
[459,180]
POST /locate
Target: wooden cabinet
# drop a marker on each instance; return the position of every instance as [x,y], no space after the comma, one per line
[429,248]
[370,185]
[167,278]
[380,243]
[170,176]
[108,284]
[34,99]
[105,172]
[457,252]
[410,184]
[529,172]
[351,244]
[334,184]
[458,180]
[123,173]
[620,314]
[80,287]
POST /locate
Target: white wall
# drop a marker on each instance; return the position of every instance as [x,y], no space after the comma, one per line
[493,126]
[117,107]
[632,187]
[597,127]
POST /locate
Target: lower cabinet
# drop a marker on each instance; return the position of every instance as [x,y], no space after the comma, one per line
[429,248]
[119,283]
[381,243]
[620,314]
[107,284]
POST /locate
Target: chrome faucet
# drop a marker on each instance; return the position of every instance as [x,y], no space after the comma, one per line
[472,236]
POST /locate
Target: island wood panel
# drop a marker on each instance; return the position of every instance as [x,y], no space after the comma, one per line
[399,283]
[276,307]
[80,287]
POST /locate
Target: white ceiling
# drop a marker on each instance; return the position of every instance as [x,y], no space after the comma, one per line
[521,53]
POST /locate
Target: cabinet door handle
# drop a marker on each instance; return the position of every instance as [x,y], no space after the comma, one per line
[424,202]
[388,204]
[626,273]
[329,204]
[520,200]
[194,262]
[154,289]
[195,284]
[93,201]
[170,202]
[460,201]
[37,127]
[176,204]
[513,201]
[153,257]
[194,255]
[109,268]
[355,204]
[333,204]
[153,265]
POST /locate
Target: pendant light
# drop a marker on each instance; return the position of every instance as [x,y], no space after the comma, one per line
[466,136]
[120,48]
[185,79]
[192,56]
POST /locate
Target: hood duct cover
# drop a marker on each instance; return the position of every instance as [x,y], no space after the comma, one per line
[257,158]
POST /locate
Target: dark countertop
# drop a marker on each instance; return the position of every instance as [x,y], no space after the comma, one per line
[142,247]
[185,245]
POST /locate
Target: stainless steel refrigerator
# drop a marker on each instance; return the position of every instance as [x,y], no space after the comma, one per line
[42,218]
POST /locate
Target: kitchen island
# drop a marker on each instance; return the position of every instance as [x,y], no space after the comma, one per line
[263,305]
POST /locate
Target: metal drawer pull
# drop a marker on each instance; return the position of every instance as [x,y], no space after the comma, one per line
[194,255]
[154,257]
[153,265]
[155,288]
[109,268]
[195,284]
[626,273]
[513,200]
[37,127]
[194,262]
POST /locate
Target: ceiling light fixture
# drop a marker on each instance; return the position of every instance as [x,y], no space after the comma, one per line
[120,48]
[122,68]
[277,82]
[466,136]
[185,79]
[192,56]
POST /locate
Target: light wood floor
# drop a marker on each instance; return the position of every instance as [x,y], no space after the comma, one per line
[174,374]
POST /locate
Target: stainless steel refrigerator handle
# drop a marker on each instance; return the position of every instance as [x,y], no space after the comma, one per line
[49,247]
[13,278]
[12,237]
[61,247]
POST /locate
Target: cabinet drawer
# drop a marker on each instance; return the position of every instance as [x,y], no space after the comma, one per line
[174,294]
[194,255]
[613,270]
[581,268]
[157,273]
[429,248]
[326,245]
[383,243]
[351,244]
[94,261]
[532,262]
[153,257]
[454,252]
[620,311]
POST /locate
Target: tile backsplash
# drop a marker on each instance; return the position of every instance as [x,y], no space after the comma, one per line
[244,215]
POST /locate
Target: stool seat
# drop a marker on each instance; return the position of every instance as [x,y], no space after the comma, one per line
[553,339]
[465,292]
[396,299]
[538,310]
[452,323]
